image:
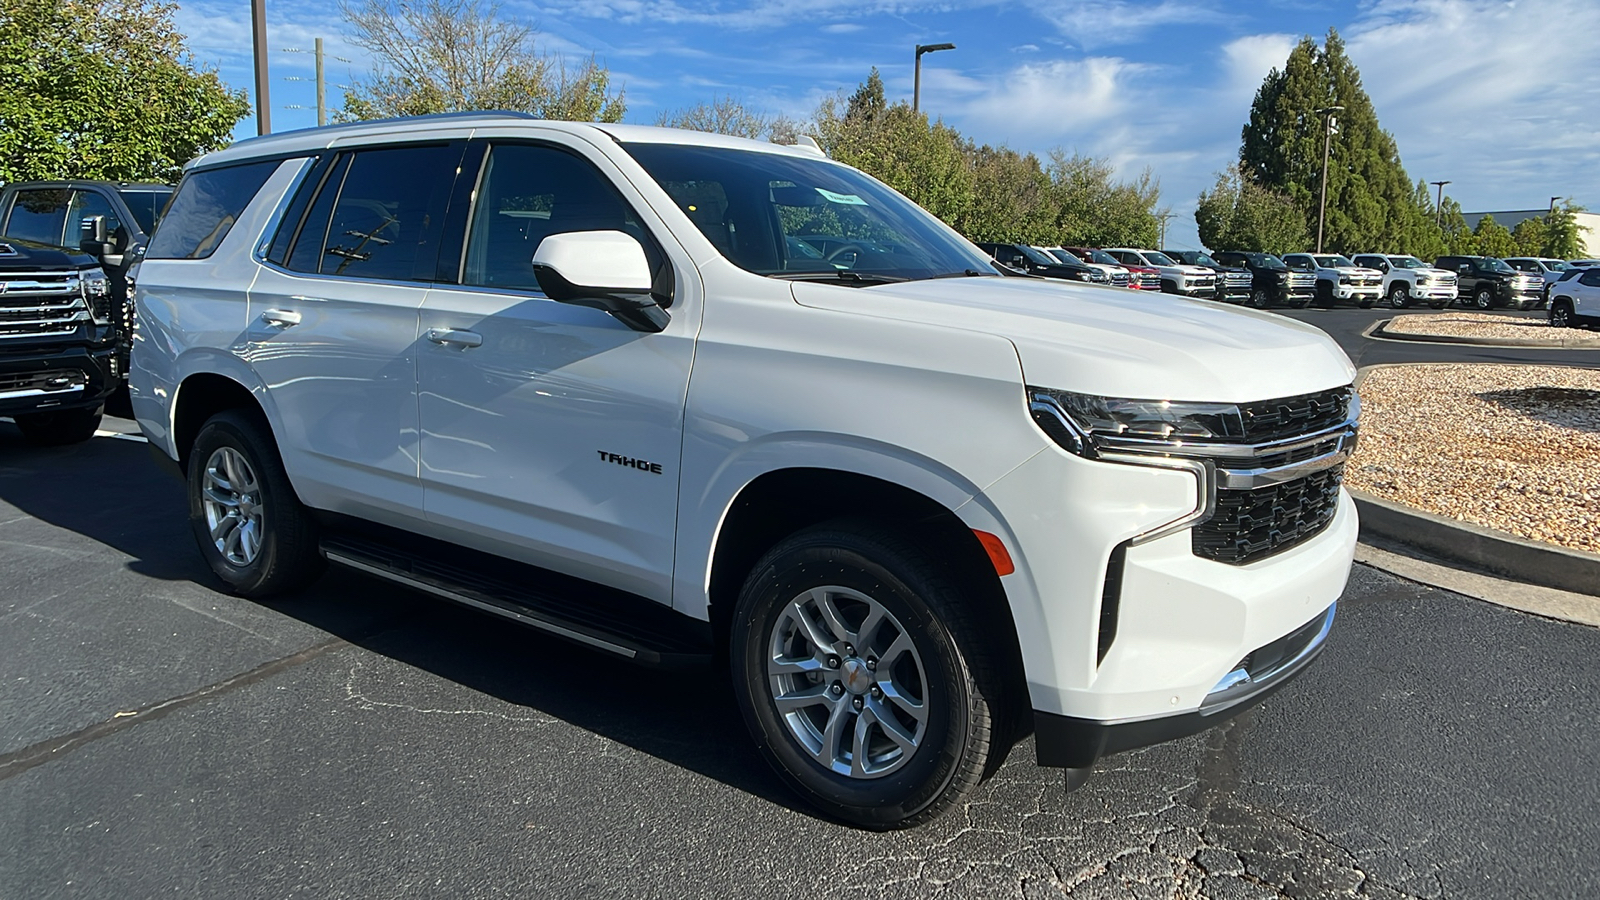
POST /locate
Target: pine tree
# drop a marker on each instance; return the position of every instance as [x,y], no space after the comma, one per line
[1371,204]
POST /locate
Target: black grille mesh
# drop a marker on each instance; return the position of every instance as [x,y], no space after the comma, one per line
[1273,420]
[1252,525]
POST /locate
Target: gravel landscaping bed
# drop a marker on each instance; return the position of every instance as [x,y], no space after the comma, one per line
[1490,327]
[1513,448]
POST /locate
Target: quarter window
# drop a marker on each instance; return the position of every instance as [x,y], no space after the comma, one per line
[1591,277]
[204,210]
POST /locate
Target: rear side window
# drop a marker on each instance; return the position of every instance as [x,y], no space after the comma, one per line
[38,215]
[146,206]
[378,214]
[205,208]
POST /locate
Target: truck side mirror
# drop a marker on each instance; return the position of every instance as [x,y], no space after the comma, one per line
[603,270]
[93,238]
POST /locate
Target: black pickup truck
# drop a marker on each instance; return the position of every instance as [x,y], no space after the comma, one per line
[1271,282]
[1025,258]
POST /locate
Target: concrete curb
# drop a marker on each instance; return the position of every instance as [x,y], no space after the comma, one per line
[1379,331]
[1482,548]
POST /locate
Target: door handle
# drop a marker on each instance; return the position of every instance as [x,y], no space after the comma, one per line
[462,339]
[282,318]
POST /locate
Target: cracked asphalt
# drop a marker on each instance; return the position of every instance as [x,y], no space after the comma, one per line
[159,737]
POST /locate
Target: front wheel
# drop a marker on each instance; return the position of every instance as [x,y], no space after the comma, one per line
[1399,298]
[1483,298]
[864,677]
[1438,304]
[251,528]
[1261,298]
[59,427]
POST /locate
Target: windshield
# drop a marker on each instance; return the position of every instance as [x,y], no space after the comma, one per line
[1266,261]
[1038,257]
[1334,261]
[1556,265]
[1065,256]
[1157,258]
[1498,265]
[1407,262]
[786,216]
[1204,259]
[146,205]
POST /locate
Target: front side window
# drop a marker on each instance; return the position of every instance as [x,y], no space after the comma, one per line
[529,192]
[87,204]
[39,215]
[203,211]
[793,217]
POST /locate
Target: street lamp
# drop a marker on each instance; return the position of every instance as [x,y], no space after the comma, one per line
[916,87]
[258,38]
[1327,142]
[1438,206]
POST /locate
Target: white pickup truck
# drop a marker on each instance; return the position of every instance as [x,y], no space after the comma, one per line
[691,400]
[1338,278]
[1407,279]
[1176,277]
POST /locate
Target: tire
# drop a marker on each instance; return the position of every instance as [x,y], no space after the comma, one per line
[235,476]
[1483,297]
[1366,303]
[859,571]
[1561,314]
[60,427]
[1438,304]
[1261,298]
[1399,296]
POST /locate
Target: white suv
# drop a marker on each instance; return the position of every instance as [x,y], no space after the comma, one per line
[682,397]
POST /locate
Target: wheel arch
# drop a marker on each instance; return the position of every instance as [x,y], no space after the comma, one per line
[200,396]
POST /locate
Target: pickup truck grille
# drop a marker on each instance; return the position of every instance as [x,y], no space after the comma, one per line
[44,381]
[1366,280]
[1252,525]
[1148,281]
[1239,280]
[40,304]
[1302,281]
[1119,279]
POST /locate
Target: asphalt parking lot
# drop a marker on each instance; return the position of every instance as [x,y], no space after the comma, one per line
[161,737]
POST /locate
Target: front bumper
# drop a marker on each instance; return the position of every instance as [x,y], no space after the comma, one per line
[56,377]
[1358,293]
[1070,742]
[1433,292]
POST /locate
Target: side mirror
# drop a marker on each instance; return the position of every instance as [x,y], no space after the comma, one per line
[93,238]
[603,270]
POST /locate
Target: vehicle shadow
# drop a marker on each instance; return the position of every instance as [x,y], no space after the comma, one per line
[1573,408]
[112,491]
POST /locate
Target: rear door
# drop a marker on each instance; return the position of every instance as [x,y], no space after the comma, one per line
[332,325]
[1586,294]
[554,430]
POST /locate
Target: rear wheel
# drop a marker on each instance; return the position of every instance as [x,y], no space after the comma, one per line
[58,427]
[864,677]
[251,528]
[1399,297]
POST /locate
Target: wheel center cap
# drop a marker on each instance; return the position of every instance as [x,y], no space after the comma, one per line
[856,676]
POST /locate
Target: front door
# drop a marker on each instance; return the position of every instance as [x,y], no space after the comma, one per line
[553,430]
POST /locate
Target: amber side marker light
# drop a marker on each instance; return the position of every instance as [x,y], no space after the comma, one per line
[997,552]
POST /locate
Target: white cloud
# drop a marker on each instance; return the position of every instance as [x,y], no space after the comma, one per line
[1093,24]
[842,27]
[1247,60]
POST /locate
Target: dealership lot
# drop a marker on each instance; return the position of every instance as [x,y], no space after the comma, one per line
[357,740]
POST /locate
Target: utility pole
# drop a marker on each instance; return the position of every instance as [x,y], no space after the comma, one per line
[258,36]
[1161,242]
[916,84]
[1438,206]
[1553,205]
[1327,144]
[322,89]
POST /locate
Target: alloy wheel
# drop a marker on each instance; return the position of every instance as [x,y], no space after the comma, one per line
[231,495]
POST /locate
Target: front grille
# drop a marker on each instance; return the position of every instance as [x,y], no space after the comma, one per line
[1149,281]
[1120,279]
[1239,280]
[1302,281]
[1273,420]
[1252,525]
[37,304]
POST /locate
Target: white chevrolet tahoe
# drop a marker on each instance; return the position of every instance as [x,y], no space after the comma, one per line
[681,397]
[1338,278]
[1406,278]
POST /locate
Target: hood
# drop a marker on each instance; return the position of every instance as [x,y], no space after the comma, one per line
[1188,269]
[20,255]
[1117,343]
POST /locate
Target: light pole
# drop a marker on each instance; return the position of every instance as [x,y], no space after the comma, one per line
[258,37]
[1438,206]
[916,85]
[1553,205]
[1327,143]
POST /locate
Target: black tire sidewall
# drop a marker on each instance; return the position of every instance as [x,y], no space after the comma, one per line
[1483,298]
[60,427]
[1399,297]
[266,574]
[785,574]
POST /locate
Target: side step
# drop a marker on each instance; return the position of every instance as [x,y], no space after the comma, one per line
[627,625]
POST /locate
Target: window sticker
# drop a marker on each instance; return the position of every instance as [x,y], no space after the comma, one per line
[846,199]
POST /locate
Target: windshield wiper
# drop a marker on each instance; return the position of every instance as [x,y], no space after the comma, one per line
[966,273]
[843,276]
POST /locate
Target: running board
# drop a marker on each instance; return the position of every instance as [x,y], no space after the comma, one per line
[626,625]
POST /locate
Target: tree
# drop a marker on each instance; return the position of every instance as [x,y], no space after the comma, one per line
[722,115]
[1493,239]
[1371,204]
[1238,214]
[1011,198]
[1529,237]
[1563,236]
[453,55]
[1097,211]
[104,89]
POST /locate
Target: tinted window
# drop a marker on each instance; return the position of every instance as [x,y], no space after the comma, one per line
[84,205]
[380,216]
[38,215]
[204,210]
[528,193]
[1590,277]
[146,206]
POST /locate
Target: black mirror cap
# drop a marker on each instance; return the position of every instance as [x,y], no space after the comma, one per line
[635,309]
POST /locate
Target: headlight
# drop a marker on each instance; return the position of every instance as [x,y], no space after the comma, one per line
[1086,424]
[96,290]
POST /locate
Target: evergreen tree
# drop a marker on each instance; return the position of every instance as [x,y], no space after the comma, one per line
[1563,236]
[1493,239]
[1529,237]
[1370,202]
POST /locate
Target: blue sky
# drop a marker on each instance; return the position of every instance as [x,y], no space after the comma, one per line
[1498,97]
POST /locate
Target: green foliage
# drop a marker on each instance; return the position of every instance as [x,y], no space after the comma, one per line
[104,89]
[1371,204]
[1529,237]
[722,115]
[1493,239]
[987,193]
[1563,236]
[1238,214]
[453,55]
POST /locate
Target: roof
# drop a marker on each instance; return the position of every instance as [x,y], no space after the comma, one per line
[92,182]
[309,140]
